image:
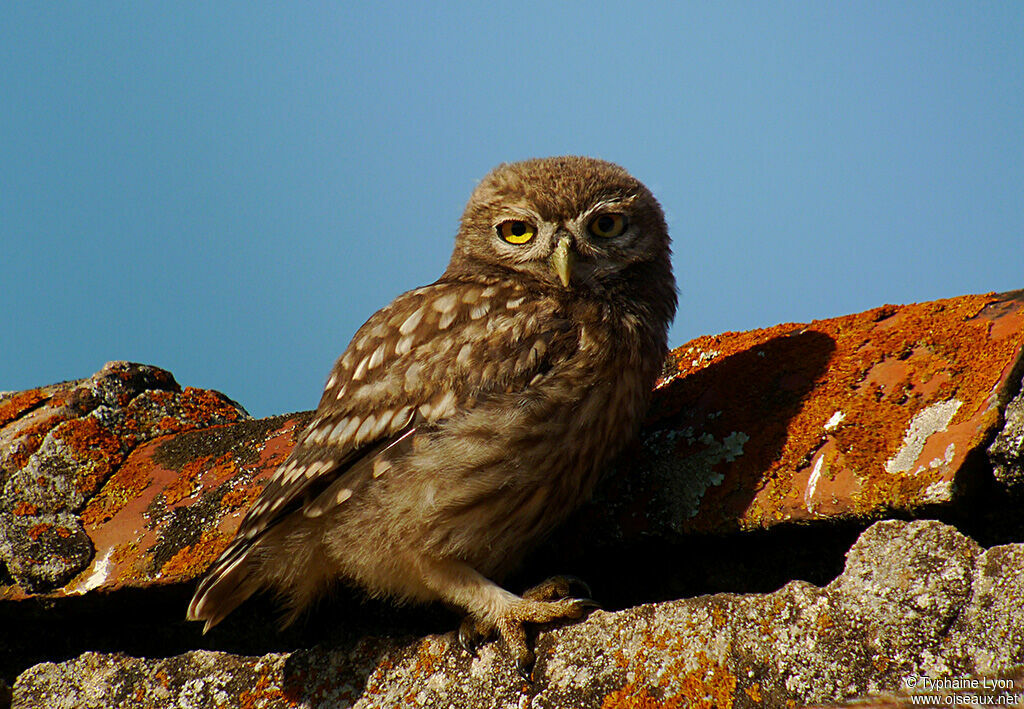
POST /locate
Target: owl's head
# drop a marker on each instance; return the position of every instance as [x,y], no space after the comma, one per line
[571,223]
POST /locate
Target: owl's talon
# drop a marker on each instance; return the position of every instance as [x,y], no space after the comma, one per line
[583,605]
[469,637]
[525,665]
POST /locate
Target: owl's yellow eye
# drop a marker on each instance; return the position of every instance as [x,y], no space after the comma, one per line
[607,225]
[515,231]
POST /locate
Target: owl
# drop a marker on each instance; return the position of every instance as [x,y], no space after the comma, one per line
[469,417]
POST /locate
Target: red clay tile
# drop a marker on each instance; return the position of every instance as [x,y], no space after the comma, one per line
[840,418]
[851,417]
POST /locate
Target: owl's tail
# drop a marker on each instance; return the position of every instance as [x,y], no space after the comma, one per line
[227,584]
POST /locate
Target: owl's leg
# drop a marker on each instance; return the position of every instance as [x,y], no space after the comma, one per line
[471,634]
[491,608]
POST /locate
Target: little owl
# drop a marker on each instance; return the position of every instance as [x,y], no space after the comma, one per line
[469,417]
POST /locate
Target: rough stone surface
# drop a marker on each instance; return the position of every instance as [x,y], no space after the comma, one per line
[916,599]
[1007,450]
[61,445]
[846,418]
[109,484]
[765,456]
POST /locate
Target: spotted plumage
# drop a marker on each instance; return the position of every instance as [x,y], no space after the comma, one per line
[470,416]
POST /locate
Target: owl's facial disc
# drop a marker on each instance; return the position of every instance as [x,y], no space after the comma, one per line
[562,259]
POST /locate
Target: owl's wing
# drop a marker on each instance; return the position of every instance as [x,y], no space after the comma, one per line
[431,353]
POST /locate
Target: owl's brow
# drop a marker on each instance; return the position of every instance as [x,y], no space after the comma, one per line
[608,205]
[512,211]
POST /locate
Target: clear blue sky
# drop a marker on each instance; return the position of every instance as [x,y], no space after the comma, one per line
[228,190]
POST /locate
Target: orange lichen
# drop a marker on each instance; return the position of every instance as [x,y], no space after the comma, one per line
[262,691]
[124,557]
[754,692]
[170,424]
[719,619]
[426,661]
[14,406]
[205,405]
[30,437]
[185,484]
[192,560]
[38,530]
[96,449]
[780,386]
[121,488]
[241,497]
[632,697]
[683,679]
[697,689]
[24,508]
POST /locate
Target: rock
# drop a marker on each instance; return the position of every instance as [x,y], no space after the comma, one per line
[716,542]
[1007,450]
[916,600]
[60,446]
[846,418]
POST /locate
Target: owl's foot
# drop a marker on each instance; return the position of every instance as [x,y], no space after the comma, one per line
[558,587]
[547,602]
[511,624]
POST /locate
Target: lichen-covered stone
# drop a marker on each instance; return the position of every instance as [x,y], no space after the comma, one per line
[44,550]
[124,487]
[59,445]
[846,418]
[842,419]
[1007,450]
[916,599]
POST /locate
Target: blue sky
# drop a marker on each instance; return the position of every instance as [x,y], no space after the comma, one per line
[228,190]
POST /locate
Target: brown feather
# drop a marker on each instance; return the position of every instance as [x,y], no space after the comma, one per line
[469,417]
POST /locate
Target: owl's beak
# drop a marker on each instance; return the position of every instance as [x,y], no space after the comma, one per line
[561,260]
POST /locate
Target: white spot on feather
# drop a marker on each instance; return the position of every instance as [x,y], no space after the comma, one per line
[365,428]
[447,319]
[480,309]
[360,368]
[445,303]
[377,357]
[402,418]
[404,345]
[444,407]
[412,376]
[284,470]
[346,435]
[382,423]
[411,322]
